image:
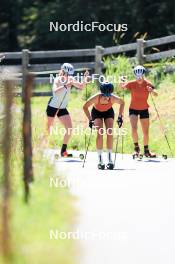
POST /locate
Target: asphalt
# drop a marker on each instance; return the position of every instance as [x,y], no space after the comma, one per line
[126,216]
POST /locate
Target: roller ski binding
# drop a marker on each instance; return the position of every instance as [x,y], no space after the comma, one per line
[110,166]
[101,166]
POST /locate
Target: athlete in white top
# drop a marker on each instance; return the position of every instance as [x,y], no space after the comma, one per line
[57,105]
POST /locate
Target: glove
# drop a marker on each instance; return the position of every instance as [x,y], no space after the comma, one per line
[120,121]
[91,123]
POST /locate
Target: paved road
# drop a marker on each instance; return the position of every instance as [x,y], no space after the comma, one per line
[129,212]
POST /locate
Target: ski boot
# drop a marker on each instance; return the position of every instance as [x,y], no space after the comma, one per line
[101,166]
[149,154]
[65,154]
[136,153]
[110,166]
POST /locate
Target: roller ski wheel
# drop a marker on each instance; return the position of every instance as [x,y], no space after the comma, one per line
[57,156]
[81,156]
[110,166]
[164,156]
[101,166]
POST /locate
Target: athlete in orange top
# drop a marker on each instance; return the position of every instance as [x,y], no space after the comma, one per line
[140,90]
[102,110]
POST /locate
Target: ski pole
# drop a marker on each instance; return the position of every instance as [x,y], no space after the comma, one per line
[116,149]
[85,139]
[87,148]
[162,126]
[122,134]
[122,146]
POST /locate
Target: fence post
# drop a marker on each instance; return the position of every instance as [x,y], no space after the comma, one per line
[27,135]
[7,138]
[140,51]
[25,63]
[99,50]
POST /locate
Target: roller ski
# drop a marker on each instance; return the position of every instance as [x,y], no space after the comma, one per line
[110,166]
[151,155]
[66,155]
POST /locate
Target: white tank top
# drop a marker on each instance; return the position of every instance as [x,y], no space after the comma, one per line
[60,99]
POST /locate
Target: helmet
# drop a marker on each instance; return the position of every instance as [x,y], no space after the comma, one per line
[68,68]
[139,71]
[106,89]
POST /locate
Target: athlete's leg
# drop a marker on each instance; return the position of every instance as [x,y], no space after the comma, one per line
[145,128]
[109,122]
[50,121]
[67,123]
[134,122]
[99,127]
[99,140]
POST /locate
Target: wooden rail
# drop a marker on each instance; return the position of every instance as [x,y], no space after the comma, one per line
[26,58]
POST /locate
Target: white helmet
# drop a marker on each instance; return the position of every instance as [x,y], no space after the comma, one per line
[68,68]
[139,71]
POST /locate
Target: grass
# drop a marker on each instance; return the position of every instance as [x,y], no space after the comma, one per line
[49,208]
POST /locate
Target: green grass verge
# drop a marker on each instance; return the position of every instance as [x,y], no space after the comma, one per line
[48,208]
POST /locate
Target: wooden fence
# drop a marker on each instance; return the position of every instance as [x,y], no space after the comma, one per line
[26,58]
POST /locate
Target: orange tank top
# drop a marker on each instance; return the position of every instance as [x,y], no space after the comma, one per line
[103,107]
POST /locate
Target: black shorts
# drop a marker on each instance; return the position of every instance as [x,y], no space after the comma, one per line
[102,115]
[142,113]
[51,111]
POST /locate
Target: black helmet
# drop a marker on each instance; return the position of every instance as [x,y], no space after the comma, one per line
[106,89]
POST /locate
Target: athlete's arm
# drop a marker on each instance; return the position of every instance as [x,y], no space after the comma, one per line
[124,85]
[151,89]
[88,103]
[59,86]
[81,85]
[118,100]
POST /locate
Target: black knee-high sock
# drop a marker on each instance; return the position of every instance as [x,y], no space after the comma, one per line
[136,146]
[146,149]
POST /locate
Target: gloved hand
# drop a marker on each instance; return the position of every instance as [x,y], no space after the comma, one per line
[120,121]
[91,123]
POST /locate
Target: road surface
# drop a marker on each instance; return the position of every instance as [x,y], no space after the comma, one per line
[126,216]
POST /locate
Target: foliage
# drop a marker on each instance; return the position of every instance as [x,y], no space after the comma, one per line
[25,24]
